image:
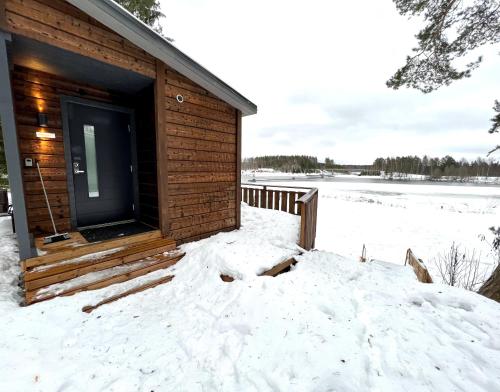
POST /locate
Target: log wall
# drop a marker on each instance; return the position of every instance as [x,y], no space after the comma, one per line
[201,134]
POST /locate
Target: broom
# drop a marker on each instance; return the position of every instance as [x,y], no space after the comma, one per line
[56,237]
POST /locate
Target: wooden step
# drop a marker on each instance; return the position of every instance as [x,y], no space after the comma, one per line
[137,289]
[138,268]
[37,279]
[73,252]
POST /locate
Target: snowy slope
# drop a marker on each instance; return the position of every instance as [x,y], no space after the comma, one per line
[389,218]
[331,324]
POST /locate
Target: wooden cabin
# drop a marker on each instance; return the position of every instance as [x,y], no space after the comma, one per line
[126,128]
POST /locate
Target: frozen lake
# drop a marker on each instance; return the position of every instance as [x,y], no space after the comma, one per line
[389,217]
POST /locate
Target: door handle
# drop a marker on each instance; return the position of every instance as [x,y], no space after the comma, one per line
[76,168]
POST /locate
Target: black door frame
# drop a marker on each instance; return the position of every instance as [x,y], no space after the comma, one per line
[65,101]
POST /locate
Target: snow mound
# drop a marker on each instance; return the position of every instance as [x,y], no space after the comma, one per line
[266,238]
[330,324]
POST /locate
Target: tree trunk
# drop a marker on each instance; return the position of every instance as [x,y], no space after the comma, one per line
[491,288]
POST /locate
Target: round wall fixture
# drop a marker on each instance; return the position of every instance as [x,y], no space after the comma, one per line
[180,98]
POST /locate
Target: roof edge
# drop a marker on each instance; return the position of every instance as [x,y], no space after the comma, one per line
[128,26]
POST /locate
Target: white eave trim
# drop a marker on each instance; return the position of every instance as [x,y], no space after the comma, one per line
[128,26]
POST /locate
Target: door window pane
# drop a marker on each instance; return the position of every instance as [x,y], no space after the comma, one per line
[90,156]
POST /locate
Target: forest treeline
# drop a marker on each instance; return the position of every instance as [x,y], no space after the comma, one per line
[438,167]
[287,163]
[432,167]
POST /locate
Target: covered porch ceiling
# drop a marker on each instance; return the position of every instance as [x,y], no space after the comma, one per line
[50,59]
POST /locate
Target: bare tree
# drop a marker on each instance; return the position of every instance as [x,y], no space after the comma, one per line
[460,268]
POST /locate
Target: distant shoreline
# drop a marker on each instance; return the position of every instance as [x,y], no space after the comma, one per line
[248,176]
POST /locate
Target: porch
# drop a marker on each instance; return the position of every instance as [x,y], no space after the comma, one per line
[75,265]
[85,137]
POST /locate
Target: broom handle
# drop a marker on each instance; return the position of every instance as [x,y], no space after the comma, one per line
[46,198]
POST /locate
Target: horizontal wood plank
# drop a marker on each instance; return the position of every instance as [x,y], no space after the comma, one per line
[204,208]
[198,133]
[199,122]
[200,188]
[198,98]
[173,105]
[200,145]
[135,290]
[198,220]
[183,178]
[203,230]
[178,154]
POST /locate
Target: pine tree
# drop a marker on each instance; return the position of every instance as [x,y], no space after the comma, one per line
[146,10]
[452,30]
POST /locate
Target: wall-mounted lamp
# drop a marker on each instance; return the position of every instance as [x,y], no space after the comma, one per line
[179,98]
[46,135]
[43,120]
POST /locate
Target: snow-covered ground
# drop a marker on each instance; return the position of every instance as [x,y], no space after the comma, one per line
[9,264]
[331,324]
[391,217]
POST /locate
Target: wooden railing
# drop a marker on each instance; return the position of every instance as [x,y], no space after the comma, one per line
[294,200]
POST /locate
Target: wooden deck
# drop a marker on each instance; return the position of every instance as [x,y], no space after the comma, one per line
[72,266]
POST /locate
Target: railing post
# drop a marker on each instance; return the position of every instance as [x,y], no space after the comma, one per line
[263,197]
[270,199]
[284,201]
[303,226]
[291,202]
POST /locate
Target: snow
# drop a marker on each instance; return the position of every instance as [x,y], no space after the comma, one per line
[9,264]
[330,324]
[266,239]
[390,217]
[76,260]
[91,277]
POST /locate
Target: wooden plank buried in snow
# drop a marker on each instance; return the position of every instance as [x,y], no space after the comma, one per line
[279,268]
[150,285]
[418,267]
[275,271]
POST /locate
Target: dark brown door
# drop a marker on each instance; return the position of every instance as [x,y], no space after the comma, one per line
[101,165]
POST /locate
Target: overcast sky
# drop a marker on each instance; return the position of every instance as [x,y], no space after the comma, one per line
[317,72]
